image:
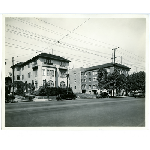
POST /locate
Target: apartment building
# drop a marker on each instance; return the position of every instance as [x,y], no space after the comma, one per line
[75,79]
[43,68]
[87,77]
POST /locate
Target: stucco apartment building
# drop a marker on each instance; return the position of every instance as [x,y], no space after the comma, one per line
[41,68]
[84,80]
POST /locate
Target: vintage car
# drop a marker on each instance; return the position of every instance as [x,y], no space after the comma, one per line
[68,96]
[102,95]
[139,94]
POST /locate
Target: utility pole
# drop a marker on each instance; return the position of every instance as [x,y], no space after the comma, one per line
[114,65]
[13,73]
[114,54]
[67,82]
[112,58]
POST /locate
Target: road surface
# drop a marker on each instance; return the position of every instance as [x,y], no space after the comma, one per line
[106,112]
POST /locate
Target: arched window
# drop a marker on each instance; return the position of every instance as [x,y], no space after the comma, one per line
[50,83]
[62,84]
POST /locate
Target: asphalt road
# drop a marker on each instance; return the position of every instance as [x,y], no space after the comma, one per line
[107,112]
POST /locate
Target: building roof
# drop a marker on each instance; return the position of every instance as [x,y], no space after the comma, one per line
[42,55]
[18,64]
[106,66]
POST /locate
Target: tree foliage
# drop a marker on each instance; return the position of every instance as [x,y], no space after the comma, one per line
[102,78]
[115,80]
[136,81]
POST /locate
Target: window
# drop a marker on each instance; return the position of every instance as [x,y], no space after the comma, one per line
[44,82]
[28,65]
[89,86]
[43,72]
[94,86]
[23,68]
[89,73]
[50,83]
[62,64]
[45,61]
[36,72]
[52,73]
[62,84]
[74,87]
[22,77]
[36,84]
[89,79]
[18,77]
[49,61]
[83,86]
[48,72]
[94,72]
[29,75]
[74,80]
[84,80]
[94,79]
[18,68]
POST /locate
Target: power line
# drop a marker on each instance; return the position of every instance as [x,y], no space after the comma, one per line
[55,41]
[132,53]
[42,36]
[74,32]
[57,50]
[74,29]
[129,56]
[34,25]
[41,51]
[57,33]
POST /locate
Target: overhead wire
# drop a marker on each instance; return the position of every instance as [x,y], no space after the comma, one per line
[85,36]
[79,49]
[43,36]
[57,50]
[82,40]
[40,27]
[57,45]
[55,40]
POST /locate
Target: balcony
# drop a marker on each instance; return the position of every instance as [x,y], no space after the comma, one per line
[63,67]
[63,76]
[34,66]
[48,65]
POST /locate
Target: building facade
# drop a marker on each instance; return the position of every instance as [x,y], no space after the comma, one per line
[87,77]
[75,79]
[43,68]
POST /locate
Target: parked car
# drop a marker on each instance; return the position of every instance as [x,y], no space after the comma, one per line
[67,96]
[102,95]
[139,94]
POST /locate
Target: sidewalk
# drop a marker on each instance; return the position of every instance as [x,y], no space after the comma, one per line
[118,96]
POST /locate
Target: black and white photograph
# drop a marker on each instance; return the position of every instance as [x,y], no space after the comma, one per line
[72,70]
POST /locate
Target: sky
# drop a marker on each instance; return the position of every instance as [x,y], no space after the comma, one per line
[85,40]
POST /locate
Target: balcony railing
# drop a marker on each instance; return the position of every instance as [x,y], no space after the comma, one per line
[35,65]
[63,67]
[48,65]
[63,76]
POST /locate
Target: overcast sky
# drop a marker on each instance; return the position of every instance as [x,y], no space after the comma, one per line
[86,41]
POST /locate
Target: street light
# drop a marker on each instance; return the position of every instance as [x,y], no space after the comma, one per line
[67,75]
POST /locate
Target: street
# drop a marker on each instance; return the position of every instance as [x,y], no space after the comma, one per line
[106,112]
